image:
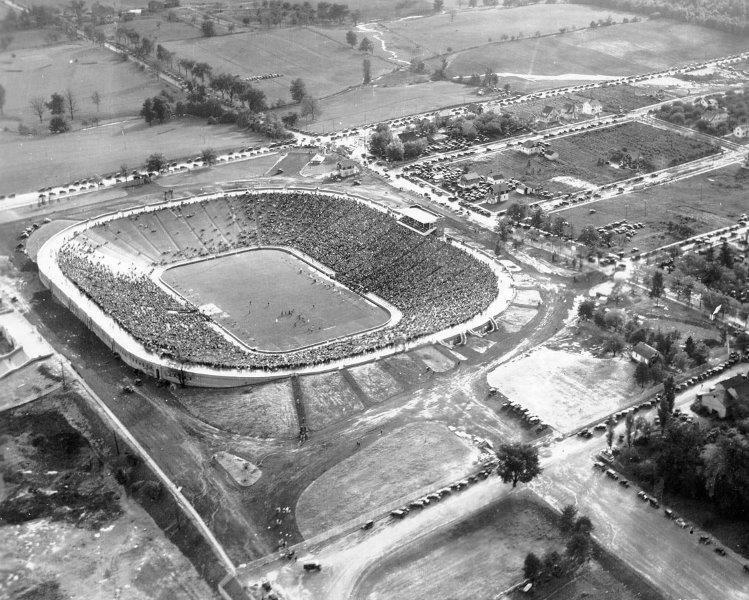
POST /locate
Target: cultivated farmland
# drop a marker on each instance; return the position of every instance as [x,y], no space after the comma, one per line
[326,65]
[617,50]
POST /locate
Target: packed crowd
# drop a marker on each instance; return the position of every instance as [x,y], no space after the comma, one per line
[435,285]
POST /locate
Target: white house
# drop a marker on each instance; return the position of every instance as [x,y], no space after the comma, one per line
[469,180]
[346,168]
[741,130]
[500,193]
[643,353]
[530,148]
[591,107]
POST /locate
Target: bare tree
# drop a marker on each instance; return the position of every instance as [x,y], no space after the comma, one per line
[96,99]
[39,106]
[71,102]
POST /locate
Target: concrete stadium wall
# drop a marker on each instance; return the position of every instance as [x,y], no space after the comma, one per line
[137,356]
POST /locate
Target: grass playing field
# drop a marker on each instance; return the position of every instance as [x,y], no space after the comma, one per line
[273,301]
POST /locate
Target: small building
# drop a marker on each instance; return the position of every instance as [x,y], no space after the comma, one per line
[500,192]
[569,111]
[548,114]
[469,180]
[700,102]
[317,159]
[495,178]
[714,401]
[726,399]
[525,189]
[346,168]
[741,130]
[644,353]
[590,107]
[419,219]
[715,116]
[134,11]
[550,154]
[530,148]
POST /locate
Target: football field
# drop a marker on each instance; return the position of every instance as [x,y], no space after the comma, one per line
[274,301]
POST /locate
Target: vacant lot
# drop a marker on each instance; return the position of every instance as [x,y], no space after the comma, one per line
[674,211]
[258,411]
[476,558]
[325,64]
[273,301]
[471,28]
[389,468]
[80,67]
[623,49]
[566,388]
[577,164]
[327,399]
[30,163]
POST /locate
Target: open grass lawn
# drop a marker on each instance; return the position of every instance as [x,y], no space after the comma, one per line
[471,28]
[387,469]
[31,163]
[476,558]
[273,301]
[40,71]
[617,50]
[693,205]
[361,106]
[157,28]
[326,65]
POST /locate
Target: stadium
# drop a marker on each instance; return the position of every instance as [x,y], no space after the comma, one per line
[239,287]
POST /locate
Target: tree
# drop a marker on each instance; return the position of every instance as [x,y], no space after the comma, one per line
[367,68]
[351,38]
[208,28]
[438,5]
[642,374]
[155,162]
[96,99]
[669,392]
[309,107]
[589,236]
[39,106]
[58,125]
[725,256]
[613,343]
[365,45]
[578,547]
[629,428]
[567,520]
[532,567]
[585,309]
[290,119]
[610,431]
[5,41]
[656,285]
[664,413]
[56,104]
[147,111]
[583,525]
[298,90]
[518,463]
[71,102]
[2,100]
[160,109]
[208,156]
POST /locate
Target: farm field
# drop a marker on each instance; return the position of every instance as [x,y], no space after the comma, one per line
[44,161]
[674,211]
[325,65]
[566,388]
[362,106]
[471,28]
[577,164]
[382,472]
[617,50]
[273,301]
[80,67]
[475,558]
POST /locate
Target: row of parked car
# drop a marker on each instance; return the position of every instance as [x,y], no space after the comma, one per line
[526,417]
[435,497]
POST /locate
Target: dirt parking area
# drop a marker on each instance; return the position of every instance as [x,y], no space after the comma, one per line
[376,382]
[566,388]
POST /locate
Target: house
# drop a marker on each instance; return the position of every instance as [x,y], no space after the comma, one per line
[548,114]
[469,180]
[726,399]
[317,159]
[346,168]
[700,102]
[590,107]
[500,193]
[569,111]
[643,353]
[530,148]
[495,178]
[134,11]
[741,130]
[525,189]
